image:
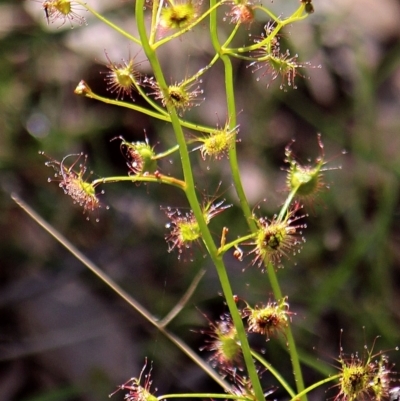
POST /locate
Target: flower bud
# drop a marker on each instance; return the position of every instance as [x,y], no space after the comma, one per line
[268,319]
[140,156]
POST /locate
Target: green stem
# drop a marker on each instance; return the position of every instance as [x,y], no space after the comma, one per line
[195,205]
[164,117]
[166,153]
[296,16]
[252,372]
[215,58]
[204,396]
[315,385]
[242,197]
[147,98]
[132,106]
[226,247]
[230,96]
[155,15]
[159,178]
[274,373]
[109,23]
[273,279]
[287,203]
[268,12]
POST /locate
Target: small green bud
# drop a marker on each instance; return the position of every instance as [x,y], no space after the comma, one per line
[269,319]
[225,345]
[218,143]
[140,156]
[307,180]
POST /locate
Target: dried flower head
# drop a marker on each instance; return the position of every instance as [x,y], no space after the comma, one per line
[277,237]
[63,10]
[183,95]
[364,378]
[225,345]
[184,228]
[217,144]
[241,12]
[269,319]
[178,14]
[140,156]
[137,391]
[74,183]
[83,89]
[307,180]
[123,77]
[308,6]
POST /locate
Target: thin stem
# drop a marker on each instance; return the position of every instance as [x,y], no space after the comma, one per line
[296,16]
[166,153]
[183,301]
[122,293]
[226,247]
[242,197]
[132,106]
[313,386]
[155,17]
[287,203]
[204,396]
[160,178]
[270,13]
[252,372]
[109,23]
[164,117]
[195,205]
[147,98]
[274,373]
[230,96]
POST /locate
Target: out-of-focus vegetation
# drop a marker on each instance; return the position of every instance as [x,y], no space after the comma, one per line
[64,334]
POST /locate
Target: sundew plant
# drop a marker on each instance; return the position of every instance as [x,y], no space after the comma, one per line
[270,243]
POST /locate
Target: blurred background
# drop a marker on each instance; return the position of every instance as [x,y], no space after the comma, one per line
[64,335]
